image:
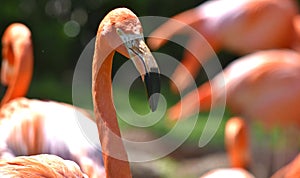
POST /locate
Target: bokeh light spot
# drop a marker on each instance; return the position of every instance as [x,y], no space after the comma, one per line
[79,15]
[71,28]
[57,8]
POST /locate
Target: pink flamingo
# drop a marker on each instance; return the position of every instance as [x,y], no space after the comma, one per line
[261,87]
[17,61]
[20,116]
[120,31]
[291,170]
[241,27]
[44,165]
[228,172]
[237,142]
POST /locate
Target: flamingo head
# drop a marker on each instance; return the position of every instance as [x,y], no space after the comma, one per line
[16,44]
[123,31]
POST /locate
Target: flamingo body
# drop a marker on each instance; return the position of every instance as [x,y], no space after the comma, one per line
[291,170]
[232,173]
[30,127]
[269,92]
[39,166]
[261,86]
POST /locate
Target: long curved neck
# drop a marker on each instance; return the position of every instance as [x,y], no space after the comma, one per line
[296,38]
[114,153]
[171,27]
[189,105]
[237,142]
[23,67]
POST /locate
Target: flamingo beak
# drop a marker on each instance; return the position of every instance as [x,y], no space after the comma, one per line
[152,82]
[3,89]
[145,63]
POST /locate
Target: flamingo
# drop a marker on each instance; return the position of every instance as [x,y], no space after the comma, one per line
[119,31]
[45,165]
[17,61]
[237,142]
[228,172]
[291,170]
[31,127]
[240,27]
[260,87]
[20,116]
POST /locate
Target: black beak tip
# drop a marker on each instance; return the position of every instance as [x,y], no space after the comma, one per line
[152,81]
[3,89]
[153,101]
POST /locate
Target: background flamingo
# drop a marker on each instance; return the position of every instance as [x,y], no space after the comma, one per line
[237,142]
[39,166]
[232,173]
[252,87]
[17,61]
[120,30]
[20,116]
[261,87]
[289,171]
[240,27]
[30,127]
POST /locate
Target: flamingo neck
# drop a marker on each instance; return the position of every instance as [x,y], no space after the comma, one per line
[114,154]
[23,67]
[205,97]
[237,142]
[296,38]
[189,105]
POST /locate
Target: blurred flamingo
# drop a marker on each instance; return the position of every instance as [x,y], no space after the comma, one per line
[228,172]
[261,87]
[17,61]
[119,31]
[20,116]
[237,142]
[240,27]
[39,166]
[31,127]
[291,170]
